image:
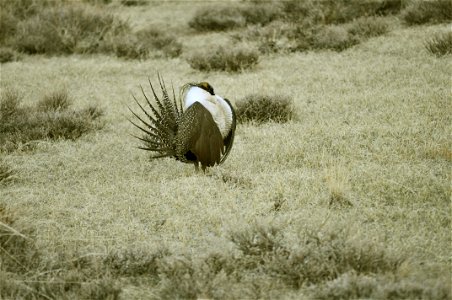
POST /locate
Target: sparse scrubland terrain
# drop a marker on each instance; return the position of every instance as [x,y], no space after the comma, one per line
[338,185]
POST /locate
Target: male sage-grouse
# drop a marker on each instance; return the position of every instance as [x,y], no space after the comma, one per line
[199,128]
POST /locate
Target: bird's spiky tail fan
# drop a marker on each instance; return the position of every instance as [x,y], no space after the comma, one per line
[160,121]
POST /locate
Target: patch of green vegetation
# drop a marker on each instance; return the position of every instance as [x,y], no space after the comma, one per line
[219,18]
[422,12]
[18,253]
[8,55]
[262,255]
[312,12]
[134,2]
[440,44]
[352,285]
[234,59]
[51,118]
[158,39]
[6,172]
[67,28]
[263,108]
[292,37]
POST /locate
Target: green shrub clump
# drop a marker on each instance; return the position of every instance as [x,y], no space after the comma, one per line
[440,44]
[38,28]
[66,30]
[434,11]
[283,37]
[224,59]
[51,118]
[6,172]
[225,18]
[263,108]
[145,43]
[336,12]
[8,55]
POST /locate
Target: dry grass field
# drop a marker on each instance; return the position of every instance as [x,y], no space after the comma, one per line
[349,199]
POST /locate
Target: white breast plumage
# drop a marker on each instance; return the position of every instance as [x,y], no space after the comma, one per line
[219,109]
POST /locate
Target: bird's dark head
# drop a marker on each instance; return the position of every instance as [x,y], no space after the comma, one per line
[206,86]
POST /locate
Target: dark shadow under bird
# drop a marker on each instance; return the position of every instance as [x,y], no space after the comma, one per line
[197,128]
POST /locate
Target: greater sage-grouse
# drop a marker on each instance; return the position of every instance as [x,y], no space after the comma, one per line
[198,128]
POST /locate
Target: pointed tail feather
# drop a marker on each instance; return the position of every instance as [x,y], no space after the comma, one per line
[158,122]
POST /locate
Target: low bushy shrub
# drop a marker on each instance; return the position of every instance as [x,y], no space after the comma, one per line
[69,28]
[230,17]
[18,249]
[263,108]
[6,172]
[261,14]
[275,37]
[336,12]
[440,44]
[217,18]
[56,101]
[126,46]
[65,30]
[234,59]
[8,25]
[159,40]
[352,285]
[280,36]
[143,44]
[51,118]
[367,27]
[334,37]
[421,12]
[8,55]
[134,2]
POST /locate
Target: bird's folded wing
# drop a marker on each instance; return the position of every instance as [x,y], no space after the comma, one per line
[199,134]
[229,139]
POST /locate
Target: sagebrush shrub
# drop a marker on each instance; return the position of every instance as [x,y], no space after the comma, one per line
[19,251]
[263,108]
[261,13]
[367,27]
[336,12]
[8,25]
[134,2]
[233,59]
[51,118]
[65,29]
[335,37]
[126,46]
[157,39]
[440,44]
[55,101]
[10,104]
[217,19]
[272,38]
[8,55]
[6,172]
[421,12]
[225,18]
[352,285]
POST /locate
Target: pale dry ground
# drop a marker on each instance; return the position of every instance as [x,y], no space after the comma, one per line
[372,136]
